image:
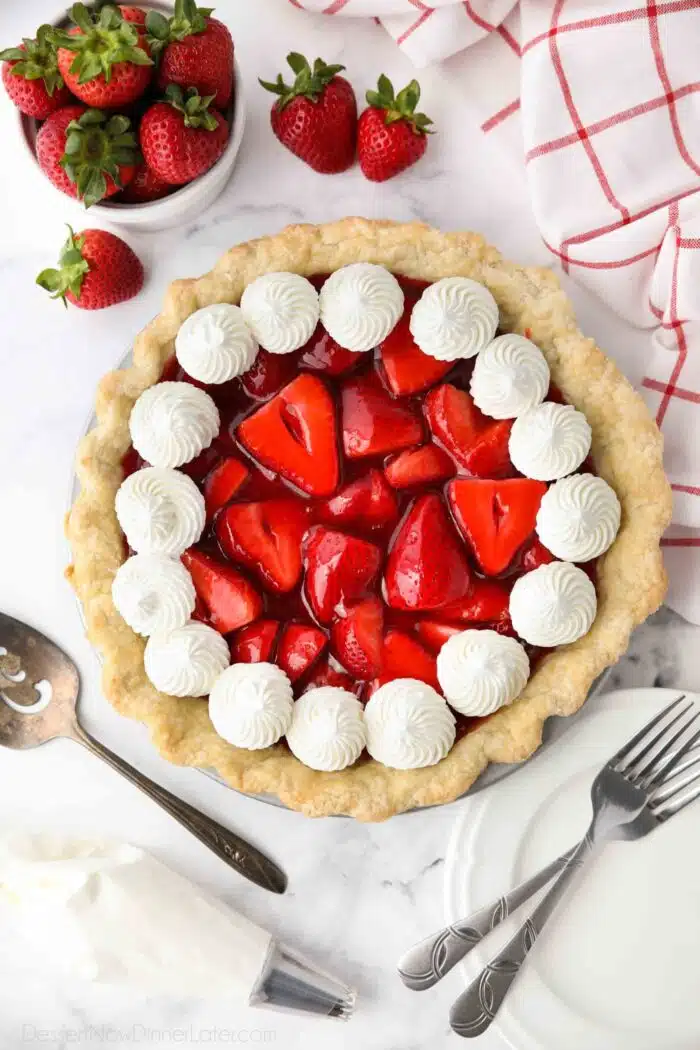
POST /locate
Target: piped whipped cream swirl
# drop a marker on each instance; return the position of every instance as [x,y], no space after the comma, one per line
[549,441]
[171,423]
[186,661]
[510,376]
[160,511]
[579,517]
[480,671]
[455,317]
[360,304]
[328,729]
[282,310]
[215,344]
[153,593]
[553,605]
[250,705]
[409,725]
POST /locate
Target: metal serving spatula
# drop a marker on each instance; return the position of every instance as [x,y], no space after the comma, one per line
[39,688]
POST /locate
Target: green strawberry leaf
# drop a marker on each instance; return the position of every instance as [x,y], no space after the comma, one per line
[308,83]
[71,273]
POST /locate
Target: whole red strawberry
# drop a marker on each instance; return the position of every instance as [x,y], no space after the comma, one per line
[86,153]
[145,186]
[195,51]
[316,118]
[96,270]
[105,58]
[133,14]
[391,135]
[31,77]
[182,138]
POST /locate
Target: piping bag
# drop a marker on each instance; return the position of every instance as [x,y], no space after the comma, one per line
[112,914]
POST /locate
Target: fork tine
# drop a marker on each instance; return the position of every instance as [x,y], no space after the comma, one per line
[638,737]
[632,765]
[673,783]
[648,771]
[668,767]
[667,810]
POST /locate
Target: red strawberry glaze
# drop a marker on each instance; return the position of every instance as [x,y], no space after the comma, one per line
[382,510]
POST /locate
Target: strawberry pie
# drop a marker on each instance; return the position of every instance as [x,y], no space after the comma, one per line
[366,509]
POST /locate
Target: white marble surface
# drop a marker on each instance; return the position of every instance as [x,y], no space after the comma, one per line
[358,894]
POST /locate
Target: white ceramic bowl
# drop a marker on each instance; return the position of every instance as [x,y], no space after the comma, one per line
[184,204]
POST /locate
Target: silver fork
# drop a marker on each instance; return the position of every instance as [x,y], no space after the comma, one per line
[634,792]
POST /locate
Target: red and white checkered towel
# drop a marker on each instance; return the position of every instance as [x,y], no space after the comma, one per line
[608,97]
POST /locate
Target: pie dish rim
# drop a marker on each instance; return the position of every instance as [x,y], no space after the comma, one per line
[626,451]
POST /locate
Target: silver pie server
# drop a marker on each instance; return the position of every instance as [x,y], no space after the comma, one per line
[39,689]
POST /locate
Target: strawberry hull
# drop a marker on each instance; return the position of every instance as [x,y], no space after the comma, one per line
[360,580]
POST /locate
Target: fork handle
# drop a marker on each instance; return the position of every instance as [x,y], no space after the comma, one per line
[229,847]
[474,1010]
[427,962]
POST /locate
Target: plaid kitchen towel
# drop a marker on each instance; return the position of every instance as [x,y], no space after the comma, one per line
[606,94]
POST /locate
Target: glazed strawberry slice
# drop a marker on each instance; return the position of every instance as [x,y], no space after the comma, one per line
[427,566]
[534,555]
[255,643]
[326,672]
[368,502]
[223,483]
[434,634]
[356,639]
[300,646]
[295,435]
[373,422]
[486,602]
[478,444]
[495,517]
[268,374]
[323,354]
[339,569]
[408,370]
[230,599]
[404,657]
[419,466]
[266,537]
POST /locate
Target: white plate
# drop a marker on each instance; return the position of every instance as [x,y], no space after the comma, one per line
[618,966]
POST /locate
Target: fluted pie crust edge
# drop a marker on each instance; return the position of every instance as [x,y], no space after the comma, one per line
[627,451]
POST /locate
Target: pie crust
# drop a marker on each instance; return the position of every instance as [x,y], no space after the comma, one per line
[626,450]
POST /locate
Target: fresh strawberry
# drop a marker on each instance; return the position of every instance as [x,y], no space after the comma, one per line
[315,118]
[104,59]
[434,634]
[31,77]
[419,466]
[477,443]
[97,269]
[295,435]
[133,14]
[230,599]
[373,422]
[534,555]
[408,370]
[495,517]
[86,154]
[182,138]
[145,186]
[368,502]
[255,643]
[486,602]
[194,51]
[299,649]
[339,569]
[391,136]
[268,374]
[356,639]
[266,537]
[223,483]
[427,566]
[404,657]
[326,672]
[323,354]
